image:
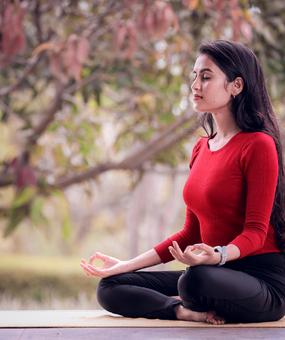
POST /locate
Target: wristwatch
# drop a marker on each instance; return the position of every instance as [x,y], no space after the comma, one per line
[223,251]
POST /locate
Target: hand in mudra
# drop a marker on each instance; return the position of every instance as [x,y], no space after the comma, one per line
[207,255]
[111,265]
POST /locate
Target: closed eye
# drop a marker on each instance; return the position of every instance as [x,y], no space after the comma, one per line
[202,76]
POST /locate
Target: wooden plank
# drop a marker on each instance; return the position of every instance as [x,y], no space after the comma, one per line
[142,333]
[11,334]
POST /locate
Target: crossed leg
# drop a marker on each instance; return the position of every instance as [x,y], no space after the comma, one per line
[150,294]
[208,293]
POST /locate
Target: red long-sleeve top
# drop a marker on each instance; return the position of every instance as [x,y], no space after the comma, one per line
[229,196]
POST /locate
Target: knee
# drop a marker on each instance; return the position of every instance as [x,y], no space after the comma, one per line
[194,281]
[104,294]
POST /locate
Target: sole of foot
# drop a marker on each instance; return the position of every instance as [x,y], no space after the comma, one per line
[214,319]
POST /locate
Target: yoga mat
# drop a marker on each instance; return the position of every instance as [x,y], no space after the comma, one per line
[100,318]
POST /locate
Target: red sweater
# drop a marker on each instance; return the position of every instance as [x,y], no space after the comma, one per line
[229,195]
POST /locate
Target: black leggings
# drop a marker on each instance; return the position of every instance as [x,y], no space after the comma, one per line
[248,290]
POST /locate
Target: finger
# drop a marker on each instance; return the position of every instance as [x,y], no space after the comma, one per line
[193,249]
[85,269]
[90,269]
[189,249]
[189,253]
[97,255]
[205,247]
[83,261]
[176,255]
[172,251]
[177,248]
[86,272]
[192,254]
[93,257]
[95,271]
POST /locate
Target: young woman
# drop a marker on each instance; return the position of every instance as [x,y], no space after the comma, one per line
[233,238]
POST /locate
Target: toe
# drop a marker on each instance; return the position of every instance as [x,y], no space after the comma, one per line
[214,319]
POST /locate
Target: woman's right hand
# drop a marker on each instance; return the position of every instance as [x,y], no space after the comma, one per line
[111,266]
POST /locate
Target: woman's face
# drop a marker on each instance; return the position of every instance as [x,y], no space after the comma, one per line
[211,92]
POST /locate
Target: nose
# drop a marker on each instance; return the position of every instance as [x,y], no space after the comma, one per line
[196,84]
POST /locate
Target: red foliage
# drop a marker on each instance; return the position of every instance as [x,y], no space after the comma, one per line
[12,33]
[24,173]
[74,54]
[125,39]
[155,19]
[239,24]
[66,58]
[230,11]
[152,21]
[192,4]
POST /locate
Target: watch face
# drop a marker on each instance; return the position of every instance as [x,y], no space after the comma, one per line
[223,251]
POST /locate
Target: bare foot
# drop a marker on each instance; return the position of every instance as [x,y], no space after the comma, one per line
[186,314]
[214,319]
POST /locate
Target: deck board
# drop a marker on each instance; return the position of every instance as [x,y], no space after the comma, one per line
[99,325]
[142,333]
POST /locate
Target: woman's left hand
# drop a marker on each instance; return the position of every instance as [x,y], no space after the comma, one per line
[191,258]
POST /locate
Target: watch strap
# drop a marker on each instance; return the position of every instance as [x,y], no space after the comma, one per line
[223,251]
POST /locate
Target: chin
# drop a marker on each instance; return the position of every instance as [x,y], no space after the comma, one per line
[199,108]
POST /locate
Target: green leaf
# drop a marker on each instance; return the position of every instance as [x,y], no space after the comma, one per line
[36,214]
[64,216]
[66,228]
[23,197]
[16,216]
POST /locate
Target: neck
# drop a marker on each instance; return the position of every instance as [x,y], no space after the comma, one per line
[225,125]
[221,134]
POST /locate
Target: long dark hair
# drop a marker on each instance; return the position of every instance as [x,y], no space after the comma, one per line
[252,111]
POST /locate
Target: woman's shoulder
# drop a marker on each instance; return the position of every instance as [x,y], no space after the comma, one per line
[257,139]
[256,143]
[257,135]
[196,148]
[200,141]
[258,150]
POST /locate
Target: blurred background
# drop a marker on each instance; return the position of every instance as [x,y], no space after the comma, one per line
[97,130]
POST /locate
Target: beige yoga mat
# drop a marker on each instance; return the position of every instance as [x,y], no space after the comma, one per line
[99,318]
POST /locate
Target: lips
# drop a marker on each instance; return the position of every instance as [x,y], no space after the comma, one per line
[197,97]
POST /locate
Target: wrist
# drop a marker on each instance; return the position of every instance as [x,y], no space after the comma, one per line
[222,252]
[127,265]
[217,258]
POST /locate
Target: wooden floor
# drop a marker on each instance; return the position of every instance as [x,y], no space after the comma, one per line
[142,333]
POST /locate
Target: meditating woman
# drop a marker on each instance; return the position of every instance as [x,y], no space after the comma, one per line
[233,239]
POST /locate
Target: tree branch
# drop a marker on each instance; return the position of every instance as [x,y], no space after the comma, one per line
[29,68]
[48,117]
[7,180]
[159,143]
[37,19]
[135,161]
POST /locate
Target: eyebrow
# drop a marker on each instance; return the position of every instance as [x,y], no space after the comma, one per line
[204,70]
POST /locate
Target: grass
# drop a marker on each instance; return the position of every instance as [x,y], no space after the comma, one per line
[45,282]
[40,264]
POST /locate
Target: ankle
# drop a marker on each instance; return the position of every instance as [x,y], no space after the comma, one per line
[179,311]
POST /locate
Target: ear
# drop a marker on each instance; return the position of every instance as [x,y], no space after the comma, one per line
[237,86]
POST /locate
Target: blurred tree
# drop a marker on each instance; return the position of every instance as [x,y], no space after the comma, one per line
[92,86]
